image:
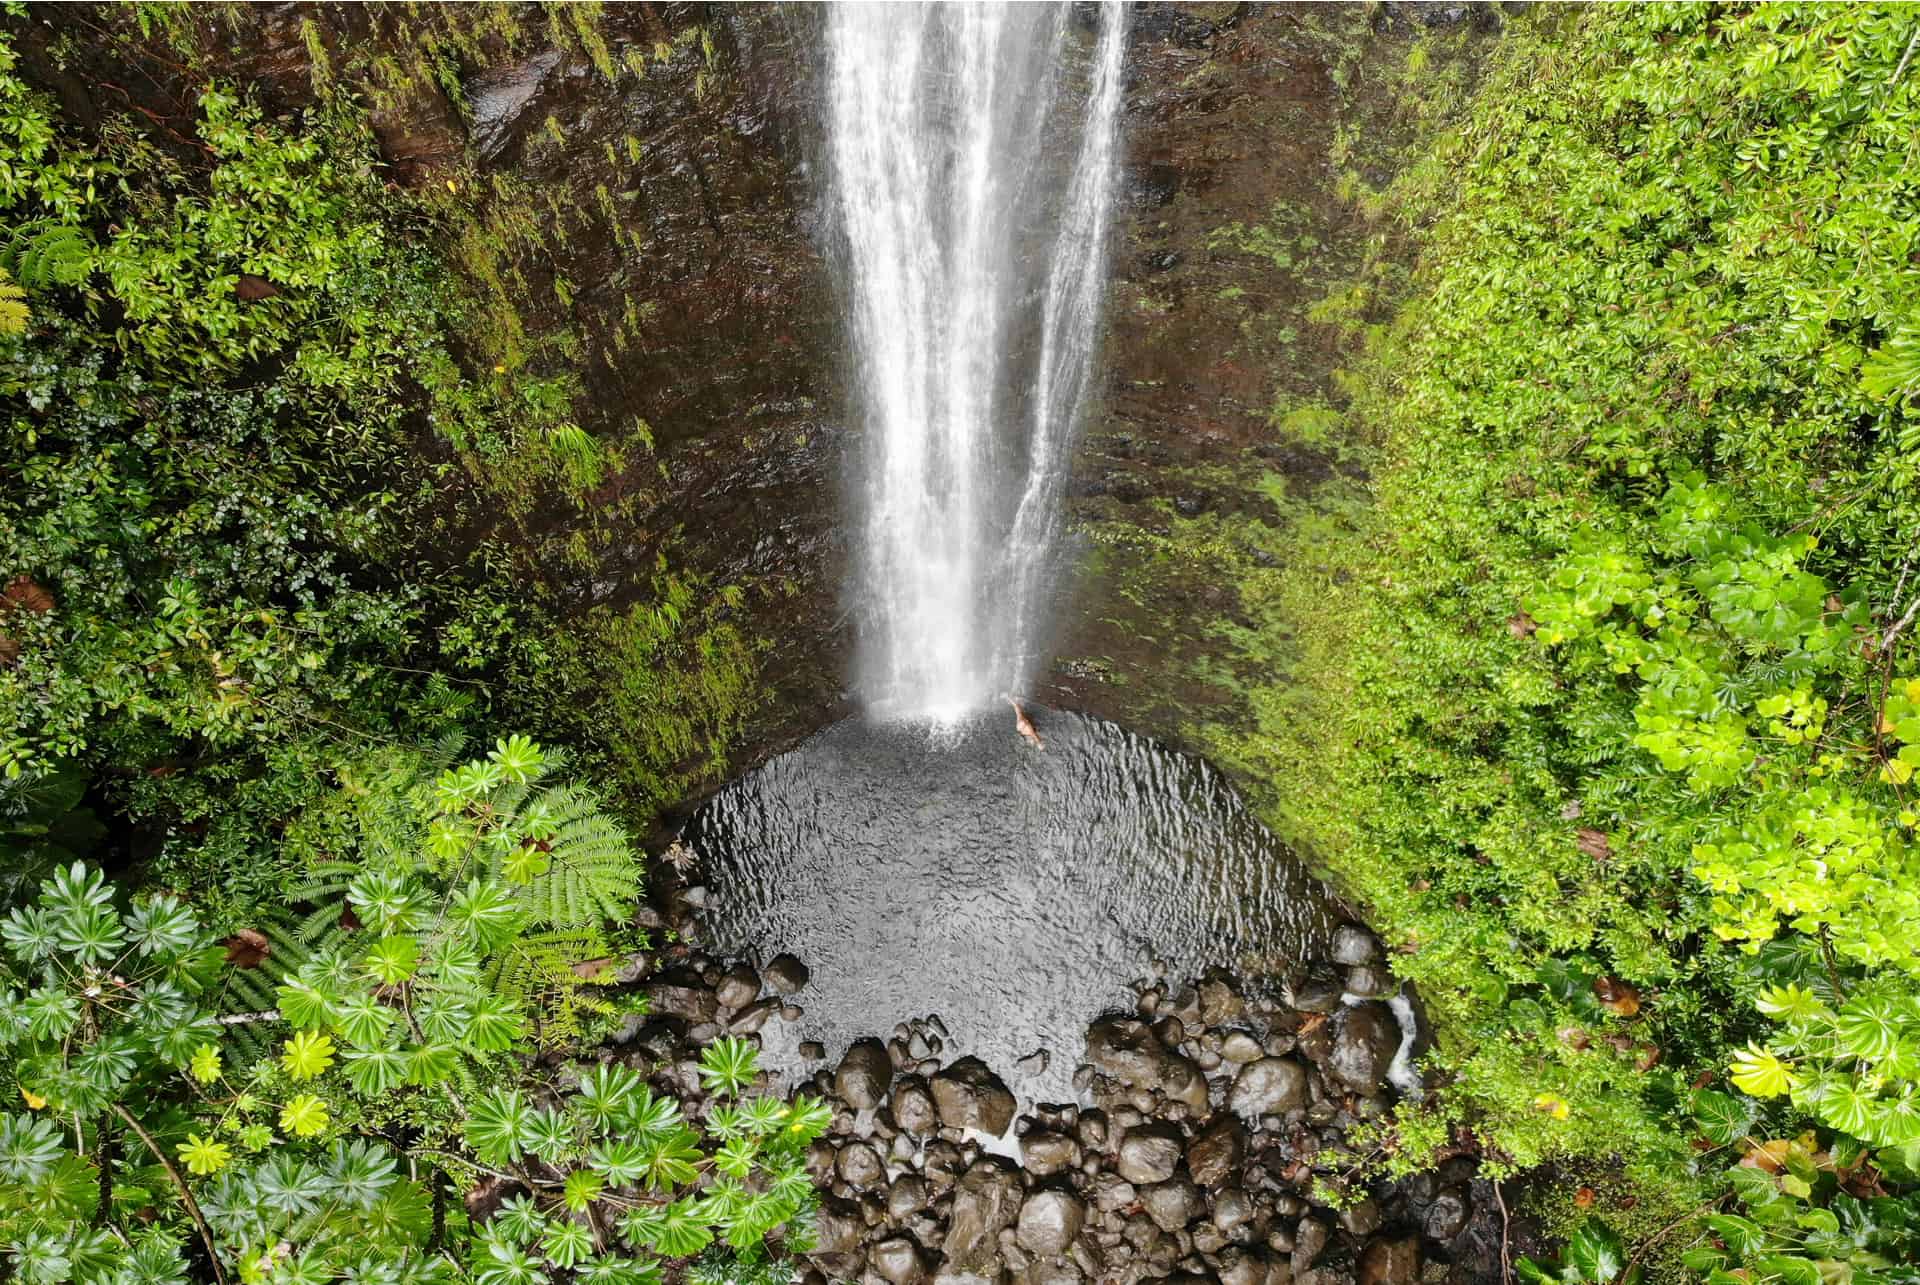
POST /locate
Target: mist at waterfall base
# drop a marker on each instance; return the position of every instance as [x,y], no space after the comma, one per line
[971,157]
[1011,891]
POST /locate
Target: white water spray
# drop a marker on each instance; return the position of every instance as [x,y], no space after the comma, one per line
[975,267]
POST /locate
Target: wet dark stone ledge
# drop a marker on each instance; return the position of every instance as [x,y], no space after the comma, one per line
[1211,1134]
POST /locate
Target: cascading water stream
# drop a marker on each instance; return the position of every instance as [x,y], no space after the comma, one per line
[975,262]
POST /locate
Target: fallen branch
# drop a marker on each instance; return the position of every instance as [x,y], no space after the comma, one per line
[180,1185]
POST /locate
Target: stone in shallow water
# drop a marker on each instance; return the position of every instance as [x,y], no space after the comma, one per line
[785,974]
[864,1074]
[970,1096]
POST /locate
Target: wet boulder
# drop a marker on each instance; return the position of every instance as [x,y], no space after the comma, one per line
[1391,1261]
[898,1261]
[1365,1038]
[985,1201]
[1049,1222]
[1171,1204]
[1216,1154]
[970,1096]
[1149,1154]
[913,1107]
[786,975]
[863,1075]
[1125,1050]
[1270,1086]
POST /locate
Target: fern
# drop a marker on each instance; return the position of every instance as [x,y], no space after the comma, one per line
[44,253]
[251,990]
[13,307]
[594,876]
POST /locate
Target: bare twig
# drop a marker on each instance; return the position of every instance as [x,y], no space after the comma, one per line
[1506,1226]
[1905,58]
[1886,644]
[1626,1273]
[180,1185]
[242,1019]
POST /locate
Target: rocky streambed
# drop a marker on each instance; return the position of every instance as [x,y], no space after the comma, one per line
[1216,1131]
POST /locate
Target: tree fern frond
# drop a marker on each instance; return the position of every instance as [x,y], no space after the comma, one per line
[251,990]
[593,875]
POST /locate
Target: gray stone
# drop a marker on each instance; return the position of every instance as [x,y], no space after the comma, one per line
[1110,1192]
[1449,1214]
[1309,1238]
[1369,981]
[812,1050]
[1238,1267]
[754,1016]
[1149,1154]
[1232,1211]
[1034,1063]
[694,1005]
[1270,1086]
[1171,1204]
[1219,1002]
[1365,1037]
[864,1074]
[1216,1154]
[985,1201]
[1049,1222]
[970,1096]
[1184,1083]
[1317,990]
[1354,944]
[1051,1271]
[898,1260]
[785,974]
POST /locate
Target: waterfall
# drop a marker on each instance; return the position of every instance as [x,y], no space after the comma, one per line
[972,150]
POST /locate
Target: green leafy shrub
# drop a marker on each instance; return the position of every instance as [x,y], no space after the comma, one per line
[1610,686]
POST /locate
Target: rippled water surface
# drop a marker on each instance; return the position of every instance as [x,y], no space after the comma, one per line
[1013,892]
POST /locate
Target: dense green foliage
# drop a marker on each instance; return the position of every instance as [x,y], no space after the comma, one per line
[255,398]
[1612,688]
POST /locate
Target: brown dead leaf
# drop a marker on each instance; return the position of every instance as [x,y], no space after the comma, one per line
[26,594]
[1617,997]
[247,948]
[1520,624]
[1575,1038]
[588,969]
[249,288]
[1594,843]
[1768,1157]
[1584,1198]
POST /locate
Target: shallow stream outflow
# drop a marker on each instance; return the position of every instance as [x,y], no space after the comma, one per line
[971,157]
[1011,891]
